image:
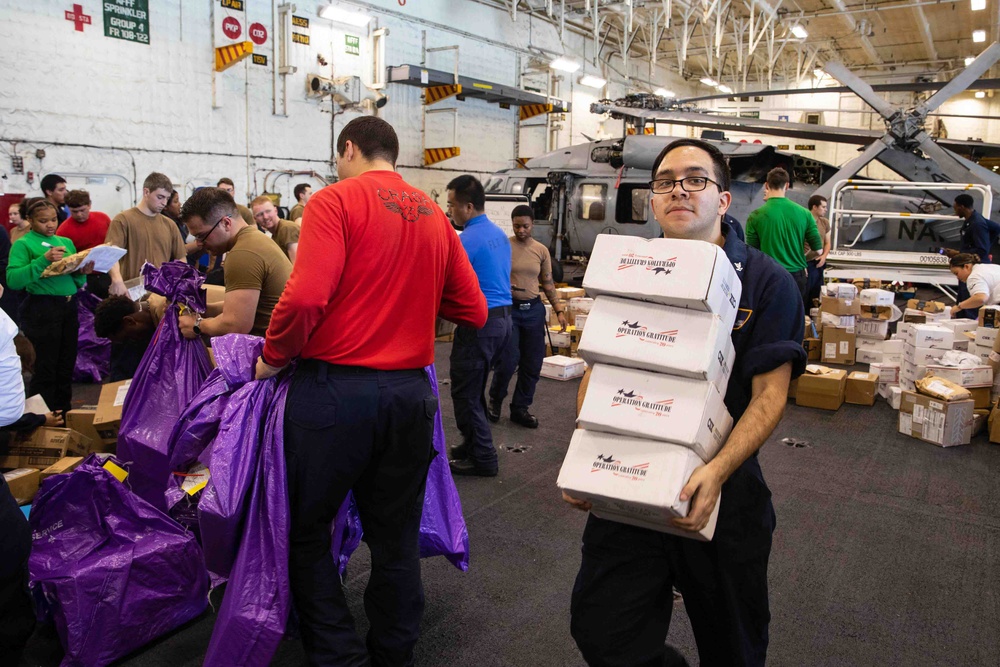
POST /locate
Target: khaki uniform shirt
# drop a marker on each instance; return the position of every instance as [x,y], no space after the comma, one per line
[285,234]
[154,239]
[296,212]
[255,262]
[528,265]
[823,226]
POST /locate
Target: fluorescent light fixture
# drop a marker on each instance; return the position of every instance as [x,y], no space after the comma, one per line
[723,88]
[592,81]
[818,73]
[980,94]
[564,65]
[978,4]
[978,36]
[968,61]
[663,92]
[799,31]
[341,15]
[709,81]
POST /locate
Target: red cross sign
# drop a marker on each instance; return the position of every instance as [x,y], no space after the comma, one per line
[78,18]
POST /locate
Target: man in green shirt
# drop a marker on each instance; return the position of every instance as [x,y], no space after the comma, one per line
[780,228]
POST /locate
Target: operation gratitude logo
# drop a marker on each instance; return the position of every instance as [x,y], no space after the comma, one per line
[618,468]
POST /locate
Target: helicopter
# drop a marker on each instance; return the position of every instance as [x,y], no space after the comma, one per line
[601,187]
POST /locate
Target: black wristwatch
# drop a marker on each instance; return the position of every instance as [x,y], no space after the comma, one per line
[197,325]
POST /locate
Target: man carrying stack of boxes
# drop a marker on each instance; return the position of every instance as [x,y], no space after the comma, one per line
[659,445]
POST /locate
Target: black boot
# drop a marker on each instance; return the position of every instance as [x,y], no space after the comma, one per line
[523,417]
[493,411]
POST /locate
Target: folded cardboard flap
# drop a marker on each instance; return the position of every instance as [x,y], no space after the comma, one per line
[837,306]
[43,447]
[925,306]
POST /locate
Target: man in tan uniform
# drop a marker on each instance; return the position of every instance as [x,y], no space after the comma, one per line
[256,269]
[147,234]
[302,192]
[530,266]
[283,232]
[228,185]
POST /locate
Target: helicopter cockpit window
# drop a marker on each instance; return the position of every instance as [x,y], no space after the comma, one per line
[591,201]
[494,185]
[632,206]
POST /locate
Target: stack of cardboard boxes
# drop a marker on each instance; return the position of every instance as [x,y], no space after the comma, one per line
[839,310]
[658,339]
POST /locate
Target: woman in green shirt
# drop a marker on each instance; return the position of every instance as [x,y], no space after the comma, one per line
[48,311]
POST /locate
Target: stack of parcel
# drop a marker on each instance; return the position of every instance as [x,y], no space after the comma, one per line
[658,341]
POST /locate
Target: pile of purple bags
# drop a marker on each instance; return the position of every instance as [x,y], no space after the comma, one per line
[115,568]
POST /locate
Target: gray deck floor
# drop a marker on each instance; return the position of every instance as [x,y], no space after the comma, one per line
[886,552]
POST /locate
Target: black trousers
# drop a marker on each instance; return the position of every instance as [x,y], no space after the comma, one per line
[524,353]
[622,600]
[474,353]
[371,431]
[802,282]
[815,282]
[17,617]
[52,324]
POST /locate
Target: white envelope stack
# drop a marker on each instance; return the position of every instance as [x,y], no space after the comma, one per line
[658,342]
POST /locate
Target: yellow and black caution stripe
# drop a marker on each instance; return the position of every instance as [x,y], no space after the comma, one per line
[435,155]
[649,129]
[532,110]
[434,94]
[522,162]
[227,56]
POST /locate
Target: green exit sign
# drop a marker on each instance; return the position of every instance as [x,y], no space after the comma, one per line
[352,45]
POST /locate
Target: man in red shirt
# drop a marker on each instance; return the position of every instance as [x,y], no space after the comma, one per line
[86,229]
[377,263]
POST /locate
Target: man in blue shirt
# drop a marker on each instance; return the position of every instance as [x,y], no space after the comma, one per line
[622,601]
[474,352]
[978,236]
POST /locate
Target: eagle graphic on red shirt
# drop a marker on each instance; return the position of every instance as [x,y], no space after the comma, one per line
[409,205]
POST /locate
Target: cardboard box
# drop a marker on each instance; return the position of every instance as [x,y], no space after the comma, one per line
[976,376]
[887,373]
[561,367]
[878,329]
[981,397]
[672,272]
[876,297]
[867,283]
[945,424]
[961,344]
[63,465]
[821,387]
[838,346]
[892,358]
[655,406]
[892,393]
[81,420]
[23,484]
[930,336]
[876,313]
[662,339]
[893,347]
[989,316]
[813,348]
[580,320]
[108,416]
[840,290]
[960,325]
[981,351]
[559,338]
[835,306]
[867,356]
[566,293]
[861,388]
[986,336]
[214,293]
[921,356]
[979,421]
[872,344]
[631,480]
[925,306]
[842,321]
[911,371]
[906,384]
[43,447]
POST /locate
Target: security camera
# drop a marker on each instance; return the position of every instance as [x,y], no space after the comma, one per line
[347,91]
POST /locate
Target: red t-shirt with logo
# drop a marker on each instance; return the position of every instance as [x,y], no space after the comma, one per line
[377,263]
[85,235]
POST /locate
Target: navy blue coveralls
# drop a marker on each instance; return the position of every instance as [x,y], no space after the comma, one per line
[978,236]
[474,352]
[622,599]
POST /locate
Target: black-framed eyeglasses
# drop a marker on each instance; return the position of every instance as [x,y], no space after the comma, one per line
[664,186]
[201,238]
